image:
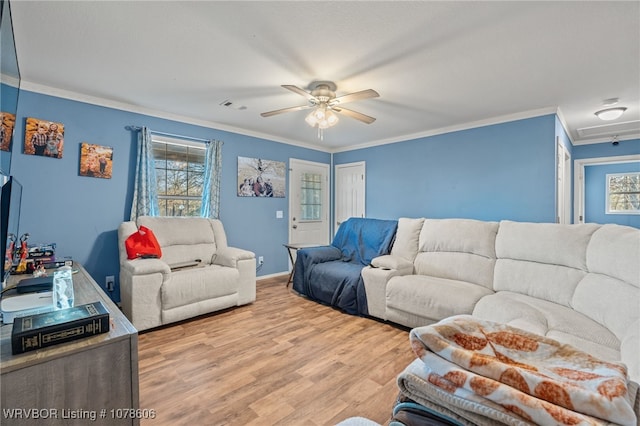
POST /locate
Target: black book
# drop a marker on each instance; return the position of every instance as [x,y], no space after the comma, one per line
[38,331]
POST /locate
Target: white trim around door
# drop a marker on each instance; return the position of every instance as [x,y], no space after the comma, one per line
[578,179]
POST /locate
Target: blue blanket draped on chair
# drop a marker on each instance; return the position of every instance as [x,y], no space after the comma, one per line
[331,274]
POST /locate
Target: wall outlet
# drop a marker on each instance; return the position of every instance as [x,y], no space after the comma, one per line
[110,282]
[260,260]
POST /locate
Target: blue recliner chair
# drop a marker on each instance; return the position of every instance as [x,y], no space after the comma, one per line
[331,274]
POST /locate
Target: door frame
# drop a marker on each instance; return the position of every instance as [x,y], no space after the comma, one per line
[563,193]
[578,179]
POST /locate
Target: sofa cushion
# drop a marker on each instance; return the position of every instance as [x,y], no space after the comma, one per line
[555,283]
[629,350]
[182,239]
[609,301]
[459,235]
[550,319]
[457,249]
[610,292]
[432,297]
[193,285]
[407,235]
[548,243]
[614,250]
[544,260]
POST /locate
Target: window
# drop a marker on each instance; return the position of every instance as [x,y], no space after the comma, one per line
[180,172]
[311,193]
[623,193]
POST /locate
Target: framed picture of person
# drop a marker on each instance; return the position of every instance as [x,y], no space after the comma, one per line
[44,138]
[96,160]
[8,122]
[258,177]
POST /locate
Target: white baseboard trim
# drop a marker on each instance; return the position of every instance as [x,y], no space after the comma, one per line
[277,274]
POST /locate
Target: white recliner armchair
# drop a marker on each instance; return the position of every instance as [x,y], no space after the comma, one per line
[153,293]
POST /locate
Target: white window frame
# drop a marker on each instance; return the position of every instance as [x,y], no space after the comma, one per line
[608,209]
[179,142]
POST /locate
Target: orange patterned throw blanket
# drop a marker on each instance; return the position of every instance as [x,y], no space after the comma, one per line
[537,379]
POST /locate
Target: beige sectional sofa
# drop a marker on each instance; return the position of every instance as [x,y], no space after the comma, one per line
[578,284]
[153,293]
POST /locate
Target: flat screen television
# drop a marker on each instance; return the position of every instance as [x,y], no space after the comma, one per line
[10,199]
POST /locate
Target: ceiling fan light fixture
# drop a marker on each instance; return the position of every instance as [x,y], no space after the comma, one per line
[324,104]
[323,124]
[319,113]
[332,119]
[322,117]
[610,113]
[311,119]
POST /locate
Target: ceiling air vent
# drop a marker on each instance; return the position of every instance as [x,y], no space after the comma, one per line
[620,129]
[230,104]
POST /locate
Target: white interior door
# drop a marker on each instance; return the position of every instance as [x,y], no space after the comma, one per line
[350,191]
[308,202]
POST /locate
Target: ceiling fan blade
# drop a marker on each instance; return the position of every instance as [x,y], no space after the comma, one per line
[290,109]
[354,114]
[299,91]
[355,96]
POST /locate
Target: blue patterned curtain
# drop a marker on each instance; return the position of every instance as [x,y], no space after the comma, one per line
[212,173]
[145,191]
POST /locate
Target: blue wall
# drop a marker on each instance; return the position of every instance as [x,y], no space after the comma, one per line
[595,194]
[82,214]
[503,171]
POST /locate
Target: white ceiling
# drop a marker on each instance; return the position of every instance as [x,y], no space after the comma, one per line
[438,65]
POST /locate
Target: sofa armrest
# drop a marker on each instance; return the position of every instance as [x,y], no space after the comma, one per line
[400,265]
[375,278]
[230,256]
[141,282]
[320,254]
[245,262]
[145,267]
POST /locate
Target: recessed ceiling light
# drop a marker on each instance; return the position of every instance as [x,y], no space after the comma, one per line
[610,113]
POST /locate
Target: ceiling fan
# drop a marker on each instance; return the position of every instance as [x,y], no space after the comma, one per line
[322,98]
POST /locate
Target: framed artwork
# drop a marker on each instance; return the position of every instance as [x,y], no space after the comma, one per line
[44,138]
[96,160]
[8,122]
[258,177]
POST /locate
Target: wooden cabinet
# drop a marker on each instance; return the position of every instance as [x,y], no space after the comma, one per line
[74,383]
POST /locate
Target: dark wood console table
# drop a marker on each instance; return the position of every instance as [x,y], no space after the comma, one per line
[73,383]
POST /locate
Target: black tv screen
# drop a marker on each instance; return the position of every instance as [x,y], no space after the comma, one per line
[10,199]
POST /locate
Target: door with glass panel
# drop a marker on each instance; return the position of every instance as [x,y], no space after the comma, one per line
[308,202]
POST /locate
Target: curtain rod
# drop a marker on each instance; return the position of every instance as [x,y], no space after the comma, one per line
[170,135]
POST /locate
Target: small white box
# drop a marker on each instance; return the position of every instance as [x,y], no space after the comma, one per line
[25,304]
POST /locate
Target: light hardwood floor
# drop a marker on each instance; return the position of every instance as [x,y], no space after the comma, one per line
[282,360]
